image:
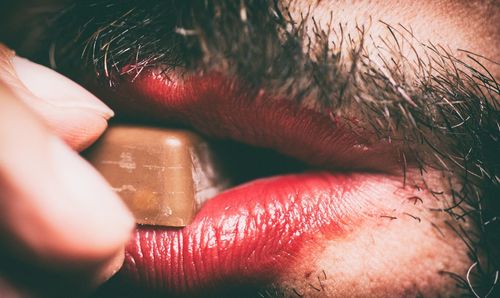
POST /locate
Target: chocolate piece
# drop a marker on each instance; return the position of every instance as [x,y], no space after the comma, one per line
[163,175]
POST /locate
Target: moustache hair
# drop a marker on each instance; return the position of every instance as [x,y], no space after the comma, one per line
[441,109]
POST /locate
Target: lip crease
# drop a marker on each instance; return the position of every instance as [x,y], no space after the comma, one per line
[252,233]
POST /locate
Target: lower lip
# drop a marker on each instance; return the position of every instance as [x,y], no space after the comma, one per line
[248,235]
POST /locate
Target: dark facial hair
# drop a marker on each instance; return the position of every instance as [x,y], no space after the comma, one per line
[444,111]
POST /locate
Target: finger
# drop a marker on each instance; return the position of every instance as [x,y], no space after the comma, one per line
[70,111]
[54,207]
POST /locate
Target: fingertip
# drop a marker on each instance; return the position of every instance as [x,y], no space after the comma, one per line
[70,111]
[98,223]
[55,207]
[78,128]
[57,89]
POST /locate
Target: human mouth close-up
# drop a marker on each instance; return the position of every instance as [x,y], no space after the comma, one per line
[264,148]
[301,178]
[254,231]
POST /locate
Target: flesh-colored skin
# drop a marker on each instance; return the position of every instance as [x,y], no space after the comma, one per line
[402,256]
[453,25]
[399,249]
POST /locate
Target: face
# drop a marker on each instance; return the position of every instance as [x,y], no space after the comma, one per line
[380,124]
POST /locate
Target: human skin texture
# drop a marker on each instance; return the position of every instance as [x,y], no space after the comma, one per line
[454,25]
[403,256]
[409,227]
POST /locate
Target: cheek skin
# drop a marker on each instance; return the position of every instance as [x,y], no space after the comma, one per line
[454,25]
[401,256]
[383,256]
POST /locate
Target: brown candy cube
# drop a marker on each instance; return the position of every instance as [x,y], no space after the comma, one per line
[163,175]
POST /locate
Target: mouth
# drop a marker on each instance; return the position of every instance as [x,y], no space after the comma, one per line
[309,183]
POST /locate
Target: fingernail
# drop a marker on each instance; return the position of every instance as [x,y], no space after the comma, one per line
[55,88]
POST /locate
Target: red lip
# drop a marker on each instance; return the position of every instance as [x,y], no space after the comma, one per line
[224,108]
[248,234]
[251,234]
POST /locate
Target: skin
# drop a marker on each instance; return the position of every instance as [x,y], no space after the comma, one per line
[419,254]
[395,250]
[455,25]
[399,247]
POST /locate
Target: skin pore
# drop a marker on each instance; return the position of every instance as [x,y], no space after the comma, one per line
[421,74]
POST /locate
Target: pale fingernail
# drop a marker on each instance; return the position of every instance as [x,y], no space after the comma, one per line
[55,88]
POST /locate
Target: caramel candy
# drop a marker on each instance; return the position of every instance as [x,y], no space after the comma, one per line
[163,175]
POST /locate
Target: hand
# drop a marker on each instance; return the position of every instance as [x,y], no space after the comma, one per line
[55,226]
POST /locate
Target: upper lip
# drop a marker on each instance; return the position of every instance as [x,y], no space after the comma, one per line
[224,108]
[244,233]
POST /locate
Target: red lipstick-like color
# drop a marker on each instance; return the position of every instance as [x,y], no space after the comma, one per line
[225,108]
[253,233]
